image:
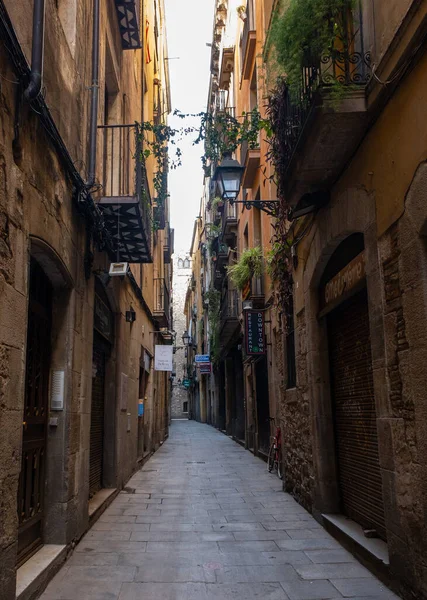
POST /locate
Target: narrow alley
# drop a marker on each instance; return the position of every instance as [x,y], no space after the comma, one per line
[204,519]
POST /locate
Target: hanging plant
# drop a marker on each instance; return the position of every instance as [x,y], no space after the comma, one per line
[249,265]
[241,11]
[217,203]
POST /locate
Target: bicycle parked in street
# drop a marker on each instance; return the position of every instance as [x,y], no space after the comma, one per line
[275,453]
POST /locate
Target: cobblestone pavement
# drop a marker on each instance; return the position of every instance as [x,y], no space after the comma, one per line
[207,522]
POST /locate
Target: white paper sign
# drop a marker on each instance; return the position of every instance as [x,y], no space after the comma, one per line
[163,358]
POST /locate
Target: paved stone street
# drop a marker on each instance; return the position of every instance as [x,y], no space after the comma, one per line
[207,521]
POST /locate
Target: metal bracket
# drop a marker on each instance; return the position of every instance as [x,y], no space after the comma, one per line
[268,206]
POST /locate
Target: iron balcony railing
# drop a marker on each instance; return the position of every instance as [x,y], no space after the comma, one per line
[124,178]
[345,67]
[161,297]
[230,307]
[229,218]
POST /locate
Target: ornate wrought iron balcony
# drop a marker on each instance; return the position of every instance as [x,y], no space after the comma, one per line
[125,196]
[320,126]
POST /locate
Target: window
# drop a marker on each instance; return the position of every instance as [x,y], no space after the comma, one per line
[185,407]
[186,264]
[290,346]
[180,264]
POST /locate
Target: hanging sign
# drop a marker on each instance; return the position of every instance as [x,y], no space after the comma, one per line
[254,332]
[205,368]
[163,358]
[186,383]
[202,358]
[141,407]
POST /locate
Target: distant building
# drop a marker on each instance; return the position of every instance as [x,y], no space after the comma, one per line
[181,276]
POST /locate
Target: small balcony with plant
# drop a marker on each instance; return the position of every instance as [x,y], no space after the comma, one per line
[318,111]
[246,275]
[125,196]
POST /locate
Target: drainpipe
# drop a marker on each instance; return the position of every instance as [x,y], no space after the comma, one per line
[94,94]
[36,74]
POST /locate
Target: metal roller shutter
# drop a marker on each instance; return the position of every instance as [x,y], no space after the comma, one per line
[97,420]
[355,416]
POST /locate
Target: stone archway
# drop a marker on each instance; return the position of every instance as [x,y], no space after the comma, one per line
[47,380]
[351,212]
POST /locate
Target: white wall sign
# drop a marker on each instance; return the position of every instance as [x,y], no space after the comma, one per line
[57,387]
[163,358]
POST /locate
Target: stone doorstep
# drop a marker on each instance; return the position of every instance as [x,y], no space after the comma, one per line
[100,502]
[34,575]
[354,532]
[370,552]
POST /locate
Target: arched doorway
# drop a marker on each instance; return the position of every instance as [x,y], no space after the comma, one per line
[344,304]
[103,336]
[31,492]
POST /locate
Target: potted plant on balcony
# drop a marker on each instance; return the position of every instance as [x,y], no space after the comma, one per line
[241,11]
[317,36]
[217,204]
[249,265]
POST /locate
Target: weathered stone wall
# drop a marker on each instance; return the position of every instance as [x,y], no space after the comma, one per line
[298,460]
[38,217]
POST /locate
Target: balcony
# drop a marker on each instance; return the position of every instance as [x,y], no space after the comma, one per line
[227,68]
[229,221]
[159,217]
[223,251]
[320,129]
[257,292]
[125,197]
[230,312]
[248,42]
[250,158]
[161,312]
[168,248]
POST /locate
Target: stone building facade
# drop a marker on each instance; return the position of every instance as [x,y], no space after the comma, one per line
[80,402]
[181,277]
[346,376]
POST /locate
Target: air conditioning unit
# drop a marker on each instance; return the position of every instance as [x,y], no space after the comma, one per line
[118,269]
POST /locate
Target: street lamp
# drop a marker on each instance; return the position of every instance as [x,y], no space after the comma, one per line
[228,176]
[186,338]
